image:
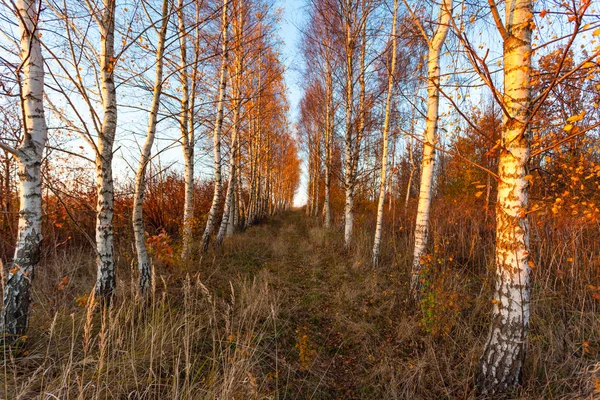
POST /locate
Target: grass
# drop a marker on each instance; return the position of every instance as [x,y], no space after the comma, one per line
[284,312]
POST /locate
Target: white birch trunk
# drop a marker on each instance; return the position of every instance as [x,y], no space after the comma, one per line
[501,364]
[212,214]
[329,116]
[384,155]
[106,278]
[227,220]
[17,297]
[428,162]
[410,175]
[348,148]
[187,142]
[140,179]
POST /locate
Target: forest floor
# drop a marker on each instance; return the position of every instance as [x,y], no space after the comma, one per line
[335,312]
[283,311]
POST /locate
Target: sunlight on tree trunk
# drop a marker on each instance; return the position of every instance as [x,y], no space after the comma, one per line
[329,131]
[17,297]
[385,142]
[140,179]
[187,138]
[236,83]
[430,140]
[212,214]
[501,364]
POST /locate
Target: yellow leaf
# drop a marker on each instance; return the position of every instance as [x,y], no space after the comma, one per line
[568,128]
[588,64]
[529,178]
[478,194]
[596,32]
[576,118]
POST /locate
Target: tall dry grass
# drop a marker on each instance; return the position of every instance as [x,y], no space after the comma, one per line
[283,311]
[181,342]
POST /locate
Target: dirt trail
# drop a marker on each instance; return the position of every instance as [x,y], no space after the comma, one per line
[326,330]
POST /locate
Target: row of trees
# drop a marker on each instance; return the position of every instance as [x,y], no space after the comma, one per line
[371,92]
[201,73]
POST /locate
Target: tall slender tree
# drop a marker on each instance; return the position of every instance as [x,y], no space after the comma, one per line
[385,141]
[236,83]
[434,44]
[216,201]
[501,364]
[17,296]
[106,275]
[140,179]
[186,123]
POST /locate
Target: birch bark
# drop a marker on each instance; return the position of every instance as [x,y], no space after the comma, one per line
[329,116]
[348,147]
[212,214]
[17,297]
[384,155]
[428,161]
[187,140]
[140,179]
[226,227]
[501,364]
[106,277]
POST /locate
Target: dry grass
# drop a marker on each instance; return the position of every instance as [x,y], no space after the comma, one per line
[283,311]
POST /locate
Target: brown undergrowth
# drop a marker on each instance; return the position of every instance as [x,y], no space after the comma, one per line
[283,311]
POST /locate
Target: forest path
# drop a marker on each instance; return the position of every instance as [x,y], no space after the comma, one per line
[335,310]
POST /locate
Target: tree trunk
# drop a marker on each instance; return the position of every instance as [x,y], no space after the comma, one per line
[106,277]
[17,297]
[329,116]
[384,155]
[428,161]
[501,364]
[187,141]
[348,175]
[227,220]
[140,179]
[212,214]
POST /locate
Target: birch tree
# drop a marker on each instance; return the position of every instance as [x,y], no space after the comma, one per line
[17,297]
[98,130]
[236,83]
[385,141]
[186,122]
[212,214]
[350,21]
[106,277]
[140,179]
[434,44]
[501,364]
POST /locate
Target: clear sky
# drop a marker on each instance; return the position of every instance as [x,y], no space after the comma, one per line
[293,20]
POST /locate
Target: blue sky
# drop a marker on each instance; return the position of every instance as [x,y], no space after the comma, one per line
[293,19]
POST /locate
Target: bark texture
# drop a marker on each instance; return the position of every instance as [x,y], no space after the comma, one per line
[428,161]
[106,277]
[187,137]
[501,364]
[348,138]
[226,228]
[144,266]
[384,153]
[17,297]
[212,214]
